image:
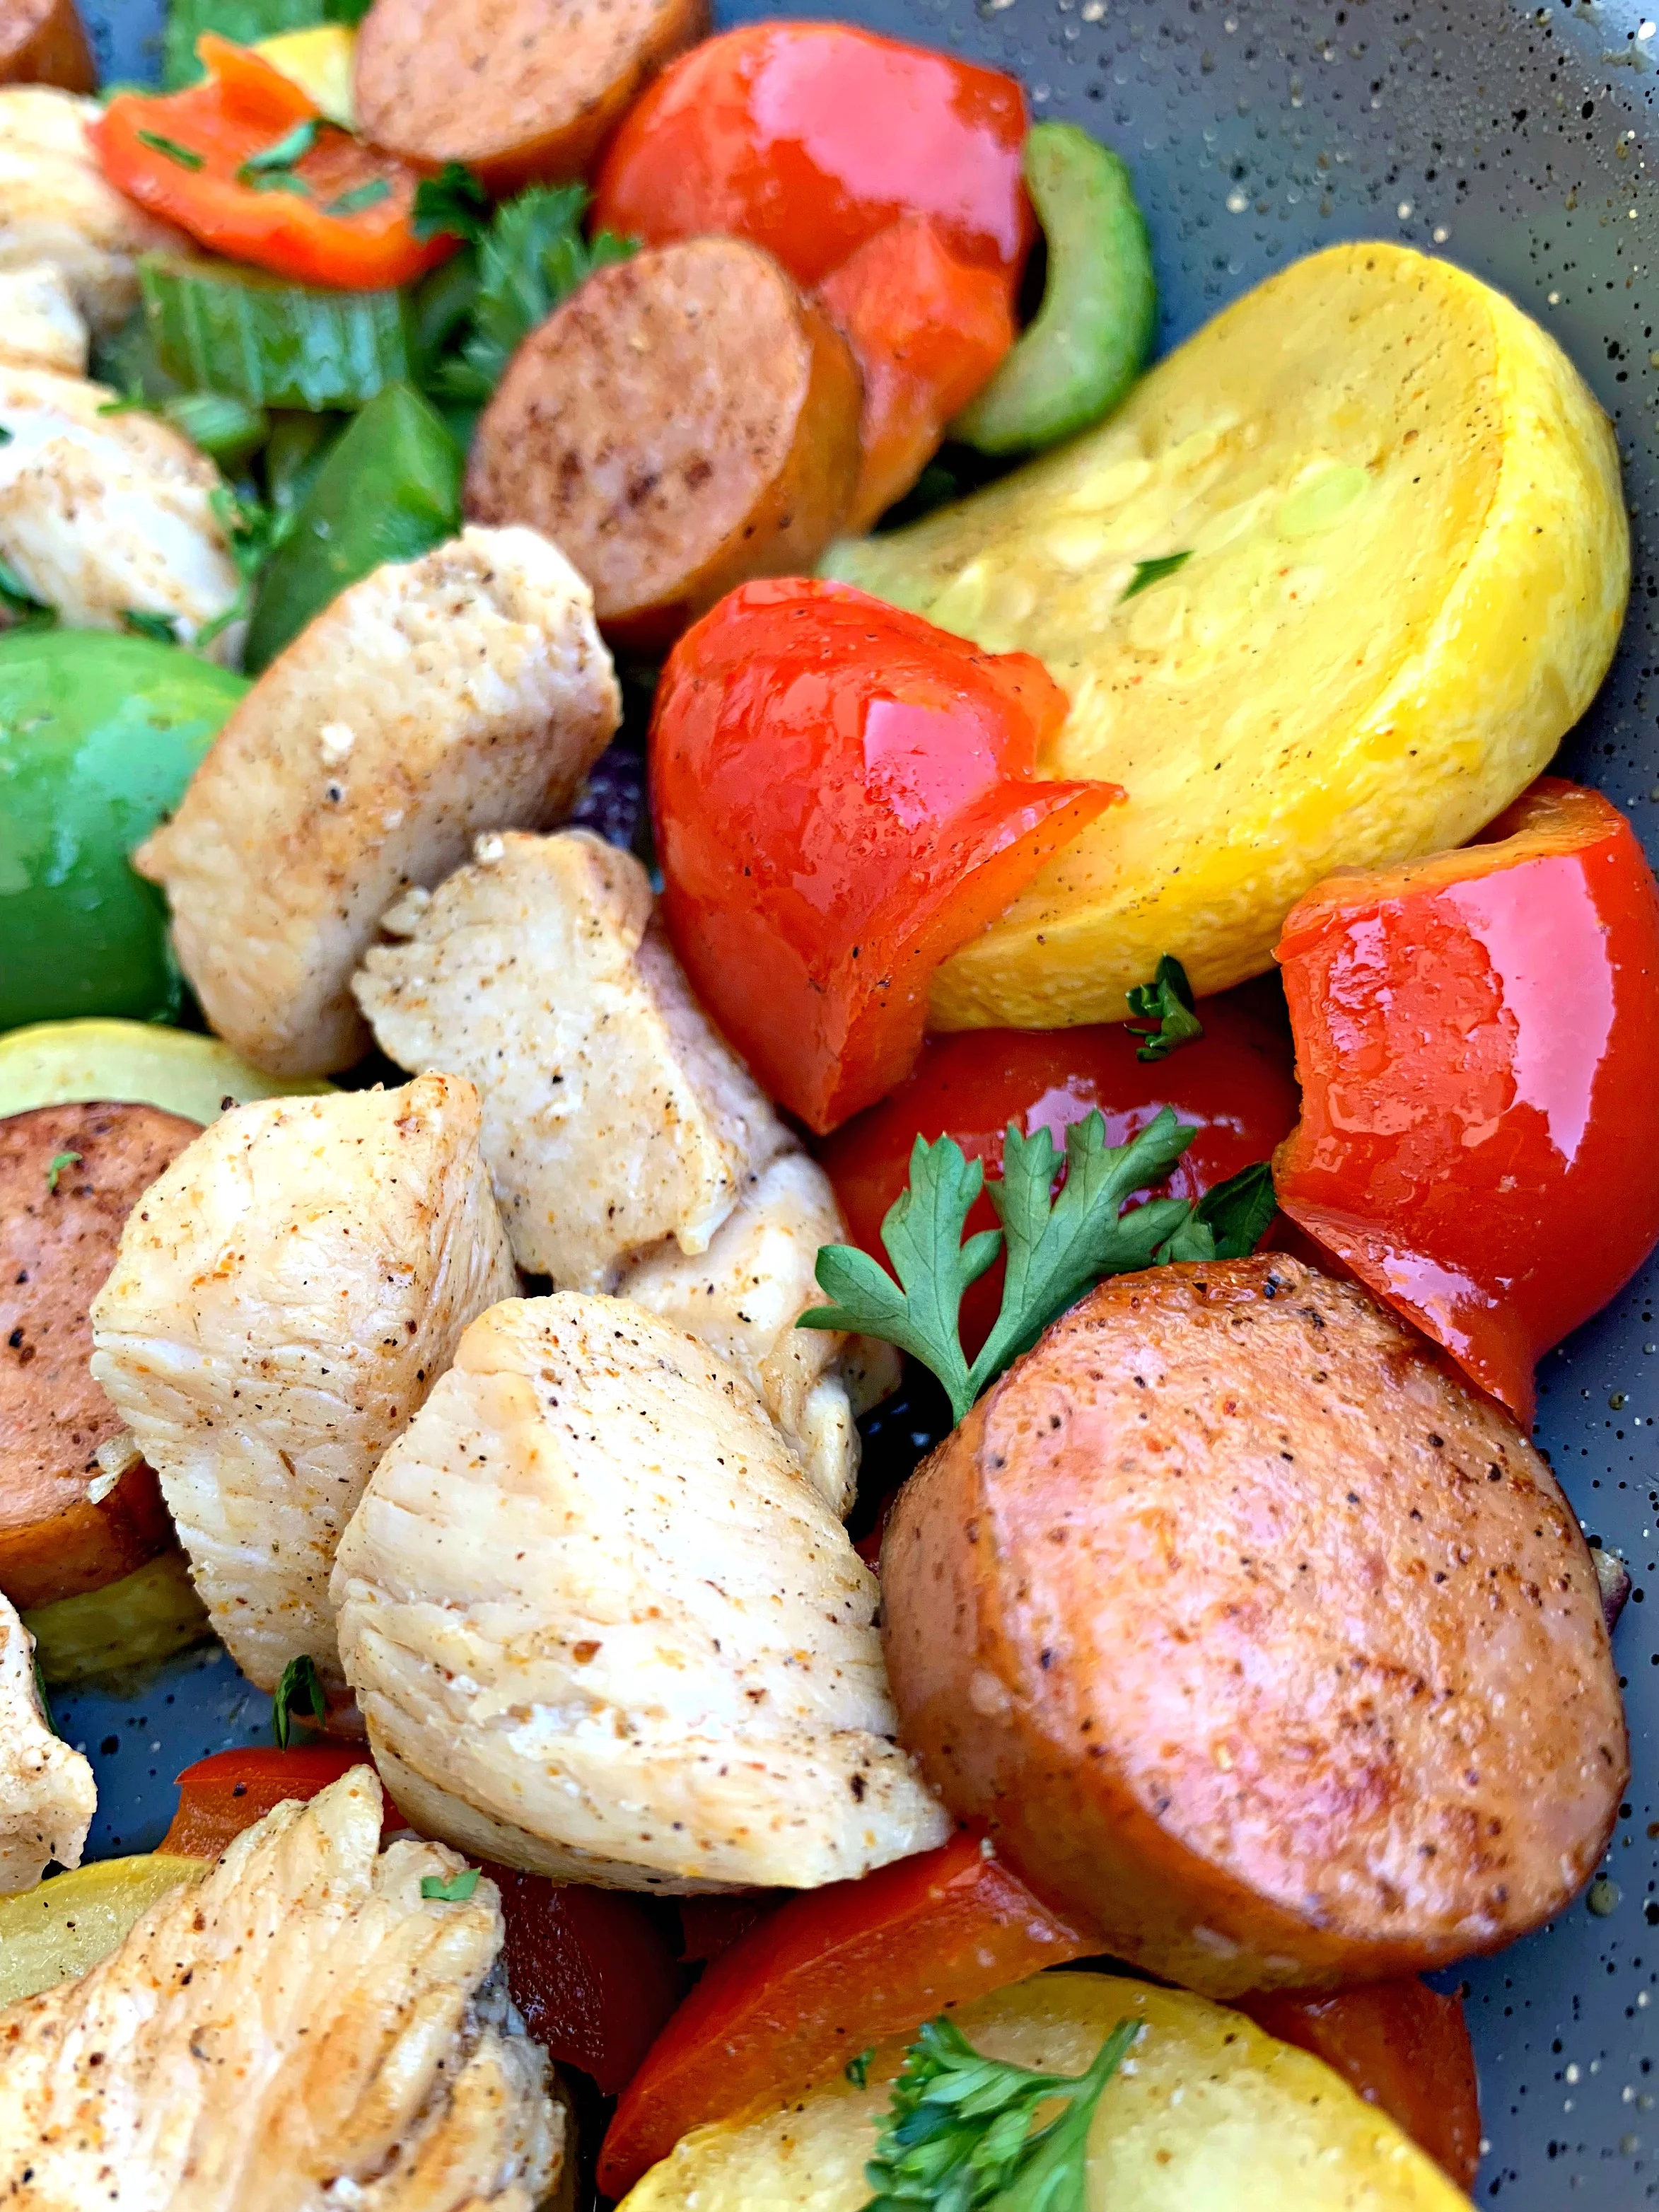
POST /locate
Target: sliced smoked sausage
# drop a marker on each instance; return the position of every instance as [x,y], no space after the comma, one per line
[519,90]
[685,421]
[45,42]
[1258,1635]
[68,1177]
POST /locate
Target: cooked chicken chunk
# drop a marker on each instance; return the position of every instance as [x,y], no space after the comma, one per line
[56,207]
[285,1296]
[302,2032]
[104,515]
[600,1624]
[742,1298]
[47,1796]
[465,691]
[614,1115]
[41,325]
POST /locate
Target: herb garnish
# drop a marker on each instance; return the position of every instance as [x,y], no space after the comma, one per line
[1059,1245]
[958,2134]
[1168,1001]
[453,204]
[300,1685]
[456,1891]
[164,628]
[281,154]
[359,198]
[857,2070]
[1148,573]
[185,156]
[61,1161]
[253,532]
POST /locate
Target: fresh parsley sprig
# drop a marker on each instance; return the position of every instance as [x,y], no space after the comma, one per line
[453,205]
[300,1685]
[455,1890]
[1058,1245]
[1167,1000]
[958,2135]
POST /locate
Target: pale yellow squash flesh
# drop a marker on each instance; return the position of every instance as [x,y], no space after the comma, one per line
[1207,2114]
[59,1929]
[134,1623]
[56,1063]
[320,60]
[1409,560]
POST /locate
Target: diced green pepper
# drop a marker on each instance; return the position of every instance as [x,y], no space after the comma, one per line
[390,490]
[99,736]
[1094,330]
[219,326]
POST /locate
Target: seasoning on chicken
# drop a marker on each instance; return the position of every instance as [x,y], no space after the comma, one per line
[56,207]
[41,325]
[285,1296]
[614,1115]
[467,690]
[601,1626]
[742,1296]
[47,1796]
[103,517]
[306,2029]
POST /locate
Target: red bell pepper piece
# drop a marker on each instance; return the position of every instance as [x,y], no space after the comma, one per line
[339,213]
[1233,1085]
[1404,2047]
[928,329]
[843,795]
[1476,1036]
[220,1797]
[811,137]
[828,1973]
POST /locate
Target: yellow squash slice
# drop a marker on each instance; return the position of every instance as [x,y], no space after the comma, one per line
[55,1063]
[60,1928]
[1207,2114]
[1403,559]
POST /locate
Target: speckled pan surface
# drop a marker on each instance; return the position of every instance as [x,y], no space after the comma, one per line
[1517,141]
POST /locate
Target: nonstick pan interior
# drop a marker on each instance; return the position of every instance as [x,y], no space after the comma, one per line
[1511,139]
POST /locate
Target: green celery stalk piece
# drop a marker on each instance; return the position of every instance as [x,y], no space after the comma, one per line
[218,326]
[1088,339]
[390,489]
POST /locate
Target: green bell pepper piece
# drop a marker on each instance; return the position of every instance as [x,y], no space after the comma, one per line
[389,490]
[1094,330]
[99,736]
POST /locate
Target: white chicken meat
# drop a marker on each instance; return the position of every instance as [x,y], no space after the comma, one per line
[41,325]
[303,2032]
[104,516]
[48,1795]
[600,1626]
[57,207]
[467,690]
[614,1115]
[284,1297]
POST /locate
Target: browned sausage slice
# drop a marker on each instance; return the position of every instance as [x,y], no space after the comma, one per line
[685,421]
[1258,1635]
[517,89]
[44,42]
[68,1177]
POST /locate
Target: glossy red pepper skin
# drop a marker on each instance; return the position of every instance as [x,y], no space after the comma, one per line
[1404,2048]
[220,1797]
[1233,1085]
[829,1972]
[811,137]
[843,796]
[1476,1036]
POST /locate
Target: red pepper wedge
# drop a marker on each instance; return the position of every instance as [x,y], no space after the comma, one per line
[929,330]
[829,1972]
[1233,1085]
[843,794]
[1404,2047]
[220,1797]
[811,137]
[1476,1035]
[339,214]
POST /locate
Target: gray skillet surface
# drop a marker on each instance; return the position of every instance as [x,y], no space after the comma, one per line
[1512,140]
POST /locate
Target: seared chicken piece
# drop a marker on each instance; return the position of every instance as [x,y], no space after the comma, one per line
[56,207]
[600,1624]
[41,325]
[299,2033]
[103,515]
[467,690]
[47,1795]
[742,1298]
[285,1296]
[614,1115]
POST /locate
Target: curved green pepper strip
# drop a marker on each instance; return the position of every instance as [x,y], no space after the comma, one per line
[1094,330]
